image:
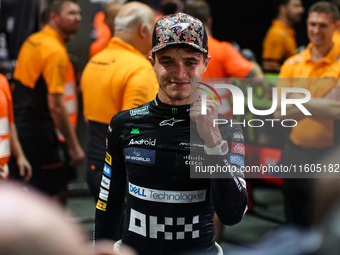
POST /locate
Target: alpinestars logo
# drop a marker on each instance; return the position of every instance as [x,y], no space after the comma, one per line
[170,122]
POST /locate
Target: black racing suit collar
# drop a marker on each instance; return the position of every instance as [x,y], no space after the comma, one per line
[170,110]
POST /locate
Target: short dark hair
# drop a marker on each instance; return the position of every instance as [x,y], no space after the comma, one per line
[325,7]
[198,9]
[278,3]
[55,5]
[336,3]
[184,46]
[284,2]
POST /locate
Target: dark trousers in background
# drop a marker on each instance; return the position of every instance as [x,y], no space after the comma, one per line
[299,192]
[93,179]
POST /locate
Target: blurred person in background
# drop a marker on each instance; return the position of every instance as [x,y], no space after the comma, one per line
[279,42]
[38,98]
[167,7]
[105,29]
[313,137]
[118,78]
[336,35]
[32,224]
[9,142]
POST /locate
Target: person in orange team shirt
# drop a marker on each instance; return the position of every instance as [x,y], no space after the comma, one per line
[104,25]
[118,78]
[313,137]
[280,43]
[39,108]
[336,34]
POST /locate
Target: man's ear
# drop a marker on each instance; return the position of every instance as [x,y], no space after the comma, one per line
[151,60]
[337,24]
[206,63]
[143,31]
[52,16]
[282,9]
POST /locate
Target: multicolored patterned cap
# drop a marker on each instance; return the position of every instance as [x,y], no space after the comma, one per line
[179,28]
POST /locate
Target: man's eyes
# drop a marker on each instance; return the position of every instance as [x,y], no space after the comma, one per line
[319,25]
[187,63]
[168,62]
[190,63]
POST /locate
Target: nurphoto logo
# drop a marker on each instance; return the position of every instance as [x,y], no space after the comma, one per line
[239,99]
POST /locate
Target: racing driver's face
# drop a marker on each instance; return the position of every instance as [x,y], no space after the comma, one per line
[174,67]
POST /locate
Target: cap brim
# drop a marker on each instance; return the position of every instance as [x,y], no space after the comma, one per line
[163,45]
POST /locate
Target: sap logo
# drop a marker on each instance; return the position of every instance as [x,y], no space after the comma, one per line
[139,223]
[107,170]
[137,190]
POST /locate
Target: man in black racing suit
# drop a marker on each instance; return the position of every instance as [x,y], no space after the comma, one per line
[150,150]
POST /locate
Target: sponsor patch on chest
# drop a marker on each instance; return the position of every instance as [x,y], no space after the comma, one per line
[139,155]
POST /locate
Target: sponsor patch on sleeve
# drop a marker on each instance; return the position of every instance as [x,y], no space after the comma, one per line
[109,129]
[105,182]
[139,111]
[238,148]
[101,205]
[237,160]
[107,170]
[237,136]
[103,194]
[108,158]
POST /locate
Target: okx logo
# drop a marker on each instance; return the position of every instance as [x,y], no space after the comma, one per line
[204,96]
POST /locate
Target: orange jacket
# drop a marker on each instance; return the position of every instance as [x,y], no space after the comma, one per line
[118,78]
[6,119]
[314,131]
